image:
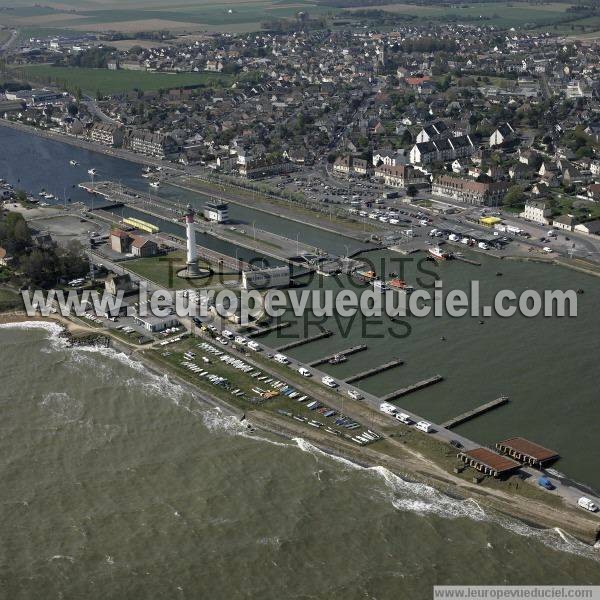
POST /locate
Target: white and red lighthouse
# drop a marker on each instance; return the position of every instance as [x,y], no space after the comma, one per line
[192,252]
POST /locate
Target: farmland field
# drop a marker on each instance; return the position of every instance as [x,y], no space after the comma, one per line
[189,16]
[499,14]
[114,82]
[132,15]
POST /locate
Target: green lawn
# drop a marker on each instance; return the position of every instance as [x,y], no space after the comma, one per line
[116,82]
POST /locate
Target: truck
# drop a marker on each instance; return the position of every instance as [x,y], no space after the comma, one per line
[500,227]
[514,230]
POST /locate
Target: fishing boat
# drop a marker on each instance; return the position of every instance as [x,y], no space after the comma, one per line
[337,359]
[438,254]
[73,163]
[366,275]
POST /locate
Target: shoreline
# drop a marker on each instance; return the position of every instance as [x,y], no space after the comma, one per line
[411,467]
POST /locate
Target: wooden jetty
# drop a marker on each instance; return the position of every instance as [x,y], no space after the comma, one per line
[347,352]
[412,388]
[265,330]
[364,374]
[306,340]
[471,414]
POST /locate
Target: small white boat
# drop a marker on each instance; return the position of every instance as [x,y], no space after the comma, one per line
[73,163]
[155,184]
[438,253]
[92,172]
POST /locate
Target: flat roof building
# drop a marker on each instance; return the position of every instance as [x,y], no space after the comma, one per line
[525,451]
[489,462]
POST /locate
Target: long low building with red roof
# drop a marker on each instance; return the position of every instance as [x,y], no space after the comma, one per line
[526,451]
[489,462]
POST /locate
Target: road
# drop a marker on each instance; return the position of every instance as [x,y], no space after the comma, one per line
[10,42]
[95,111]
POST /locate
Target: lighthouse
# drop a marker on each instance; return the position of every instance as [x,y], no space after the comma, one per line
[192,252]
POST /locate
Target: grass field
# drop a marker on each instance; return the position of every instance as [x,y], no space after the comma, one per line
[115,82]
[131,16]
[499,14]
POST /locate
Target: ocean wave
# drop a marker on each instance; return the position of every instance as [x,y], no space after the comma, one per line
[215,419]
[422,499]
[53,329]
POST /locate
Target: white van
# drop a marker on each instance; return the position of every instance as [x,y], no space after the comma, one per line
[304,372]
[355,395]
[280,358]
[227,334]
[424,426]
[547,249]
[329,381]
[587,504]
[483,246]
[404,418]
[254,346]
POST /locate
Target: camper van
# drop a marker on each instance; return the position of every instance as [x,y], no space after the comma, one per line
[424,426]
[587,504]
[404,418]
[304,372]
[280,358]
[388,409]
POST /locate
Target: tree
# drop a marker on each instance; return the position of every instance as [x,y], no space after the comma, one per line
[514,197]
[411,191]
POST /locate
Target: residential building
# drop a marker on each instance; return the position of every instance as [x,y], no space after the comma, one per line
[150,144]
[502,135]
[108,134]
[536,211]
[434,131]
[468,190]
[400,176]
[445,149]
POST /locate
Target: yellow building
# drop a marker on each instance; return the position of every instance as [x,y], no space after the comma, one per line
[489,221]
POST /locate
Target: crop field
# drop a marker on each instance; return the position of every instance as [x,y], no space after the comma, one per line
[499,14]
[132,15]
[115,82]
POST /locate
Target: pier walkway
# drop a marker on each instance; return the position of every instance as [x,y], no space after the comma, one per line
[311,338]
[265,330]
[471,414]
[375,370]
[412,388]
[347,352]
